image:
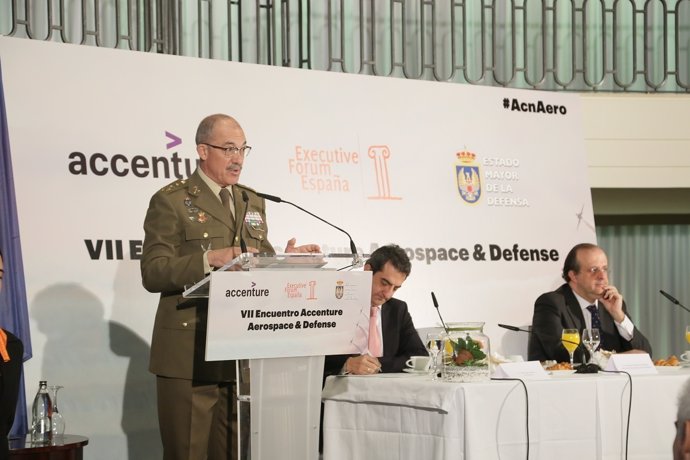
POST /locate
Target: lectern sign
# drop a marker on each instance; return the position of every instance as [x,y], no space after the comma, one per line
[270,314]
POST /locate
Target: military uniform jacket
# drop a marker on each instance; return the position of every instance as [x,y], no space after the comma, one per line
[185,219]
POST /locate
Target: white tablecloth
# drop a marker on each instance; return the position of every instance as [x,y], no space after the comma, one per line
[571,416]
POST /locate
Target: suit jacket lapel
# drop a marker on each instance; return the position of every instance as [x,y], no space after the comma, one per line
[574,309]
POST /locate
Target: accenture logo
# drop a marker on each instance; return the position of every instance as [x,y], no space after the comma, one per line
[251,292]
[121,165]
[515,105]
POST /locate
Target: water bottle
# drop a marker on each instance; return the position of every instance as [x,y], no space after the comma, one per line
[41,411]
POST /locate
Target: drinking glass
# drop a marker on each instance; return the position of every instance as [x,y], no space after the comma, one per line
[591,339]
[687,334]
[571,340]
[434,342]
[57,421]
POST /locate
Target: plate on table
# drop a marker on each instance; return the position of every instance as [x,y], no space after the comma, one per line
[416,372]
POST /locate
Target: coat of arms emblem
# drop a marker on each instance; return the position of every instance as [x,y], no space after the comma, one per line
[468,177]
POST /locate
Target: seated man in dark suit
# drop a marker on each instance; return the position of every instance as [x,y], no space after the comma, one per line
[391,267]
[11,351]
[586,300]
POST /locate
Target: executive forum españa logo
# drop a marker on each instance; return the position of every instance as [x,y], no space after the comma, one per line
[468,177]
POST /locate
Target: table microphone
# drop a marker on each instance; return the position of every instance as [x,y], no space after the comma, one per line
[581,369]
[433,299]
[584,368]
[243,244]
[673,299]
[514,328]
[517,329]
[276,199]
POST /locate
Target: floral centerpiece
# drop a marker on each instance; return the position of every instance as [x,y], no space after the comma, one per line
[466,353]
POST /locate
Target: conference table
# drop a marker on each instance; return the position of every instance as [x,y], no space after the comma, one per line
[571,416]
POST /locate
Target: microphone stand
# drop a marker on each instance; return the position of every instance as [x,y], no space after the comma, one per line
[356,259]
[673,300]
[243,244]
[433,299]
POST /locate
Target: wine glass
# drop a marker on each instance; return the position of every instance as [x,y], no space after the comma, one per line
[571,340]
[591,339]
[57,421]
[434,342]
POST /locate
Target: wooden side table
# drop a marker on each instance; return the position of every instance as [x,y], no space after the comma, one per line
[65,447]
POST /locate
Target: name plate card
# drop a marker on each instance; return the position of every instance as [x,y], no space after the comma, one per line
[530,370]
[274,314]
[633,363]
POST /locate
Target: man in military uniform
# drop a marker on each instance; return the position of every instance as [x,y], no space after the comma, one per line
[191,228]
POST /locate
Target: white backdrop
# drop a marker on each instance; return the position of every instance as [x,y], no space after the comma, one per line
[312,134]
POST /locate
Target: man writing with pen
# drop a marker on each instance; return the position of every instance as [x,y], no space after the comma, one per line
[392,335]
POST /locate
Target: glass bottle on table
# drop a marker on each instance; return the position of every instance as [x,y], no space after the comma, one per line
[570,338]
[41,411]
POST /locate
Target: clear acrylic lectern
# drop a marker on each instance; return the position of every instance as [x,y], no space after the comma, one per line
[285,393]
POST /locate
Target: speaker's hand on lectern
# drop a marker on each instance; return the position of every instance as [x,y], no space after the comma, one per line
[219,257]
[306,248]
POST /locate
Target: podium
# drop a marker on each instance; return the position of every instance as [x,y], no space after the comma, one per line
[284,313]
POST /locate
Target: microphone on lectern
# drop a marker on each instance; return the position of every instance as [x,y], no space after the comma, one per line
[276,199]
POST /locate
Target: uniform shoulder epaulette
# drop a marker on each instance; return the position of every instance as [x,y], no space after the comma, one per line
[178,184]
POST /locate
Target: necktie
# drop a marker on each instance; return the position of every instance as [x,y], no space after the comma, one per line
[227,204]
[596,322]
[375,346]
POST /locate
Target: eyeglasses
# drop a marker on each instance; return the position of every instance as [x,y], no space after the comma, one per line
[232,150]
[596,270]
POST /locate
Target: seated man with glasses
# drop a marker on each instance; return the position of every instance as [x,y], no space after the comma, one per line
[586,300]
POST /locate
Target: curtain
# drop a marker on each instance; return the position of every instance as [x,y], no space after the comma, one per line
[644,259]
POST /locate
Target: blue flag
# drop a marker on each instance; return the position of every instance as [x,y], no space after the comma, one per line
[14,312]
